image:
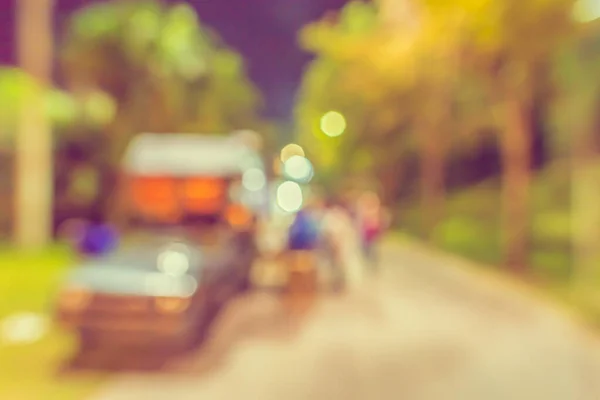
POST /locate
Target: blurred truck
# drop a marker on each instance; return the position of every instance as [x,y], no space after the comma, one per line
[189,206]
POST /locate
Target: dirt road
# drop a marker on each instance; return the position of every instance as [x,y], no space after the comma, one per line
[421,329]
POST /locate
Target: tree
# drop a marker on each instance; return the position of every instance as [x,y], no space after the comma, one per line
[165,71]
[69,119]
[430,54]
[58,106]
[575,122]
[340,80]
[433,52]
[400,76]
[508,43]
[34,178]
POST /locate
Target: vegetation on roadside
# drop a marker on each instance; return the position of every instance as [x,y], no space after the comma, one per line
[471,226]
[484,142]
[471,229]
[33,371]
[123,68]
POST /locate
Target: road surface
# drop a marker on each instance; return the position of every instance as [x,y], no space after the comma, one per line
[422,329]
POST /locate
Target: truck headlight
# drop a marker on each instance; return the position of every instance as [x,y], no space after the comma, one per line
[172,305]
[75,298]
[239,217]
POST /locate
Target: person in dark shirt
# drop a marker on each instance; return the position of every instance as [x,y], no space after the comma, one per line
[304,231]
[97,239]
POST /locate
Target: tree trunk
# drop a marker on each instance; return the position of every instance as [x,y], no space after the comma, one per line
[585,192]
[585,218]
[391,179]
[515,147]
[34,164]
[432,182]
[581,122]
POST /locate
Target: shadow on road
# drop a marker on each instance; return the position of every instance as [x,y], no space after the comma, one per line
[257,315]
[134,359]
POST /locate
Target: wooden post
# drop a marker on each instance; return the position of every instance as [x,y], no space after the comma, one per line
[34,161]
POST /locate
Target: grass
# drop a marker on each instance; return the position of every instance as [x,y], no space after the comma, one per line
[579,303]
[471,229]
[31,371]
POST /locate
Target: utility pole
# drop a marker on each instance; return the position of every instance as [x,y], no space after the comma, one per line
[33,140]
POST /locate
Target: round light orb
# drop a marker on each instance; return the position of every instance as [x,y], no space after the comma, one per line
[174,260]
[298,168]
[333,124]
[289,196]
[290,151]
[254,179]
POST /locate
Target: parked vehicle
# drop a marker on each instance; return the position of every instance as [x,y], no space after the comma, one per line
[156,293]
[188,207]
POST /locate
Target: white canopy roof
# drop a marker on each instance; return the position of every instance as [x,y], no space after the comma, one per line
[188,154]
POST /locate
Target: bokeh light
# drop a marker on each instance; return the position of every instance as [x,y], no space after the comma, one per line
[290,151]
[289,196]
[333,124]
[23,328]
[254,179]
[586,10]
[249,138]
[298,168]
[174,260]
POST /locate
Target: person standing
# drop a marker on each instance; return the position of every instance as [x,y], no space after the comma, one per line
[341,240]
[371,221]
[97,238]
[302,259]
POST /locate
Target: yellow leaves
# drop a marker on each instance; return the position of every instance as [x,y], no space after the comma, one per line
[387,118]
[585,11]
[99,108]
[451,22]
[345,40]
[228,64]
[399,13]
[61,107]
[16,87]
[165,69]
[321,38]
[358,18]
[95,21]
[522,28]
[311,38]
[409,67]
[84,185]
[143,29]
[323,151]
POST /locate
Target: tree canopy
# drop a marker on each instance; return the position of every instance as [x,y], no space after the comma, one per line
[164,69]
[430,81]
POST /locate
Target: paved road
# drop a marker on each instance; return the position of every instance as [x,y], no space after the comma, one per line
[423,329]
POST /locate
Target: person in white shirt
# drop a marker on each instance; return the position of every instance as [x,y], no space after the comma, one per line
[342,241]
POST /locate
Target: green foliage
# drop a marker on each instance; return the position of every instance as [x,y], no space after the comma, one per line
[343,79]
[29,284]
[472,229]
[145,66]
[15,89]
[450,74]
[160,62]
